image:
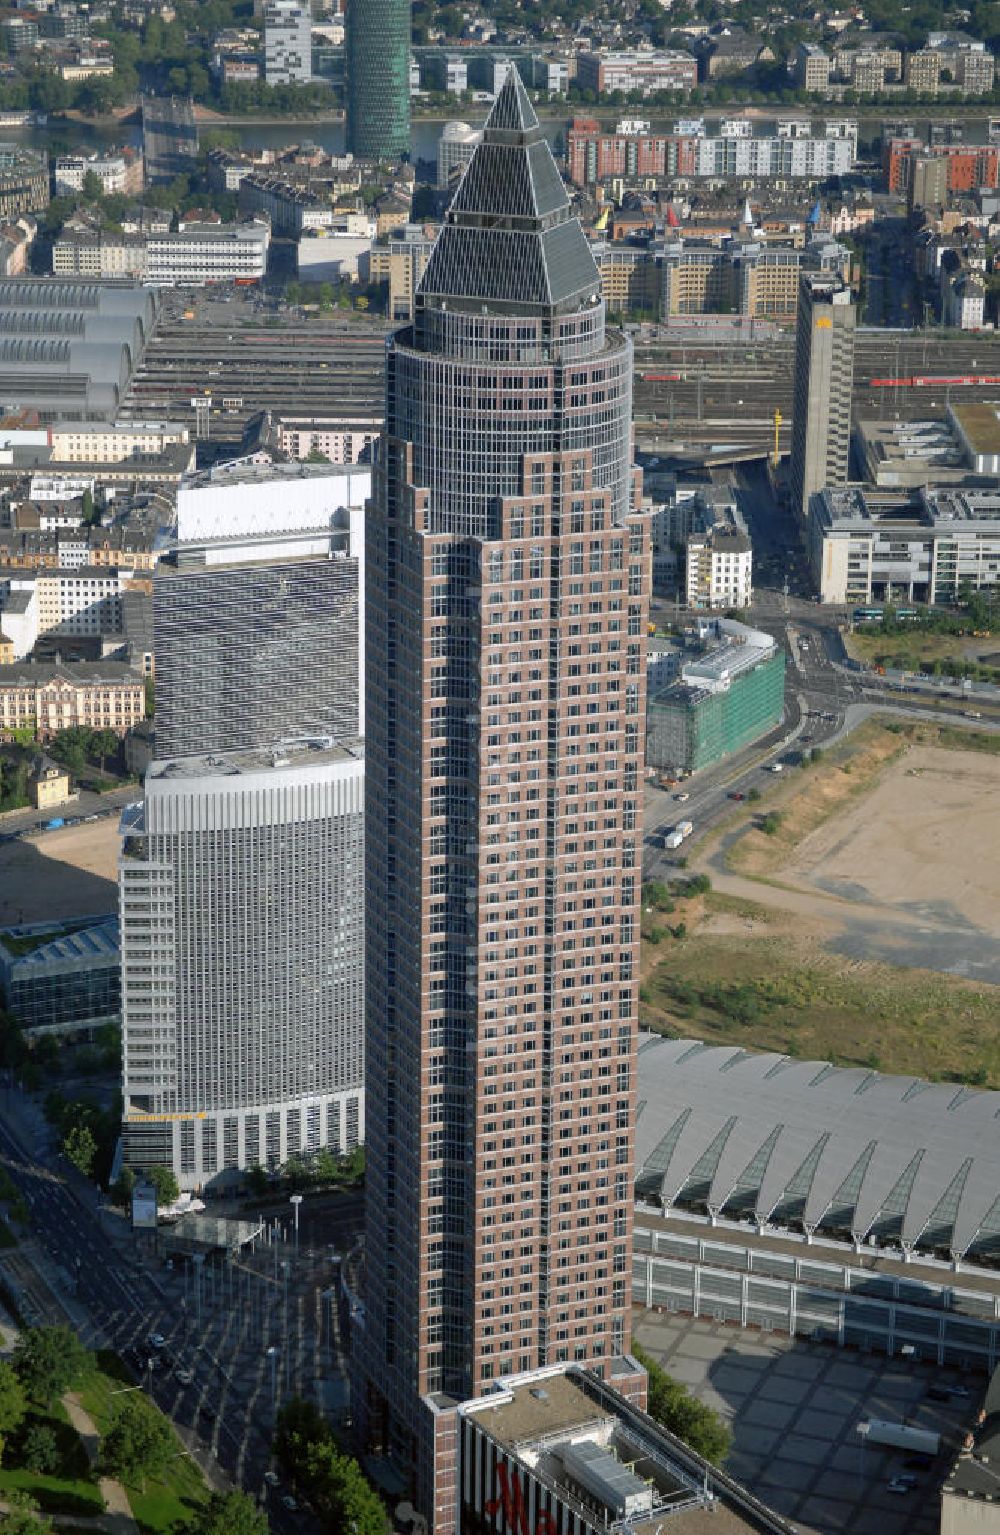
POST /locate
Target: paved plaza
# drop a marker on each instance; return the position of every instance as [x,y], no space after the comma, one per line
[793,1408]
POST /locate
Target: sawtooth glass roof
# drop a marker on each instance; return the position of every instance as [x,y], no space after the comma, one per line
[765,1137]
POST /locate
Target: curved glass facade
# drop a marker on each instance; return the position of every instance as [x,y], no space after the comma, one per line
[378,79]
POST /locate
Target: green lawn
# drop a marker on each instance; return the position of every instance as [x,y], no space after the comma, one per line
[167,1500]
[69,1490]
[770,992]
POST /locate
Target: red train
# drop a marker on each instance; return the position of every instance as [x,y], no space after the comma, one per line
[933,380]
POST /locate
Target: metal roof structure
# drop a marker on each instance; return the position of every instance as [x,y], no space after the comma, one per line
[510,237]
[70,348]
[897,1161]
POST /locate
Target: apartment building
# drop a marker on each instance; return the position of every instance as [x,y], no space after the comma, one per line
[638,73]
[401,263]
[118,173]
[290,207]
[969,166]
[811,68]
[287,42]
[719,568]
[633,151]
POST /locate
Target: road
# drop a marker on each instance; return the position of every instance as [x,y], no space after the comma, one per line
[216,1325]
[87,806]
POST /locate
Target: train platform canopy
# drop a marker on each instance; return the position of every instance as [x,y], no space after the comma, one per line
[894,1161]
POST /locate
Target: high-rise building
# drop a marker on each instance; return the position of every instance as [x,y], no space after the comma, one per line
[508,570]
[287,42]
[377,72]
[241,874]
[824,380]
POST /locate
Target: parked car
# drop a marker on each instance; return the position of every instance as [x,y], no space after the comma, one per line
[898,1485]
[736,794]
[156,1340]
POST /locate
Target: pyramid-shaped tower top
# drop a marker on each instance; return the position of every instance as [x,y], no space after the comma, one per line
[512,111]
[510,241]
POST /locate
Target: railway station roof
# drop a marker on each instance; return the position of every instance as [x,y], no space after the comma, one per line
[893,1160]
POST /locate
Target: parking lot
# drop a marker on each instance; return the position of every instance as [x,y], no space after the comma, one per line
[793,1408]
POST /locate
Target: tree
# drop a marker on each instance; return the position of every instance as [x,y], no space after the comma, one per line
[22,1516]
[39,1450]
[80,1148]
[13,1402]
[340,1492]
[166,1185]
[673,1406]
[228,1513]
[93,191]
[257,1180]
[299,1423]
[49,1360]
[121,1189]
[139,1442]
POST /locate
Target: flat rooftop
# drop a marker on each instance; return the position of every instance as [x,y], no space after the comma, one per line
[304,751]
[591,1450]
[240,473]
[980,421]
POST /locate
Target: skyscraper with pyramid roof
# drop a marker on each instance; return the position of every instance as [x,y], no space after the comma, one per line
[508,570]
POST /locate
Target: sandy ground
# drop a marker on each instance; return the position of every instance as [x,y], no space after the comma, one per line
[905,874]
[68,873]
[925,840]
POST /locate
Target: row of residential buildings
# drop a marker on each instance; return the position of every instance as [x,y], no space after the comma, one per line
[794,151]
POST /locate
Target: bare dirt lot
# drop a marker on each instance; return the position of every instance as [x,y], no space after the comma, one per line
[68,873]
[862,927]
[925,839]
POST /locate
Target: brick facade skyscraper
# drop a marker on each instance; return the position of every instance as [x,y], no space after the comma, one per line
[507,608]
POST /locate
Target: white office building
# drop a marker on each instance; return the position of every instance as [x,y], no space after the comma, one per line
[209,253]
[287,42]
[241,873]
[869,546]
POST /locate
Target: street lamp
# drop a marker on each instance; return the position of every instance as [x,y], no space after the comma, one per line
[295,1200]
[272,1354]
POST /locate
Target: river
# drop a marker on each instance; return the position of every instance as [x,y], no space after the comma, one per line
[72,135]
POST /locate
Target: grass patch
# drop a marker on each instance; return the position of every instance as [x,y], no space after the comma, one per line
[167,1500]
[774,993]
[70,1489]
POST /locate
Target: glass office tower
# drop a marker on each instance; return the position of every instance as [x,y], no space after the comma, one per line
[377,66]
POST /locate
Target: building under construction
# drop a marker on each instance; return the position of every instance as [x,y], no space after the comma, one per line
[726,698]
